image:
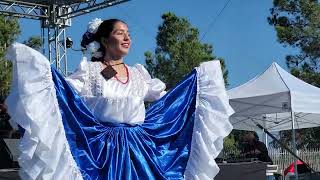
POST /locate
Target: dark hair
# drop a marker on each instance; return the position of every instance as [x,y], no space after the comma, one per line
[255,134]
[104,30]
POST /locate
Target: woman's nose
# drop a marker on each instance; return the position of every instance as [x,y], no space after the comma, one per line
[126,37]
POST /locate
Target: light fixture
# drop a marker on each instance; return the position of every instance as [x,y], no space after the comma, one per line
[69,42]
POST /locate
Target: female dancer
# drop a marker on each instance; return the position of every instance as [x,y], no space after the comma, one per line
[93,124]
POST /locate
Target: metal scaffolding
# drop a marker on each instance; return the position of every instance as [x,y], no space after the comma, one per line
[55,16]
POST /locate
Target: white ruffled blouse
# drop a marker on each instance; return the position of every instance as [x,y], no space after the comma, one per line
[111,100]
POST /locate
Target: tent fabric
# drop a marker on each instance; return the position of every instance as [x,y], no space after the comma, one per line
[269,99]
[276,121]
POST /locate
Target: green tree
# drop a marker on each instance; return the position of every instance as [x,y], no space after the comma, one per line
[178,51]
[231,147]
[5,78]
[297,23]
[34,42]
[9,31]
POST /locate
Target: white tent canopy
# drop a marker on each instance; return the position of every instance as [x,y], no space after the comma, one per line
[269,99]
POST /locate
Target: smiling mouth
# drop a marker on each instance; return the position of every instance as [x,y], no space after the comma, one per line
[125,45]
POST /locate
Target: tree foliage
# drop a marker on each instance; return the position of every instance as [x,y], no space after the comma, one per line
[297,23]
[178,50]
[231,146]
[5,78]
[305,138]
[34,42]
[9,31]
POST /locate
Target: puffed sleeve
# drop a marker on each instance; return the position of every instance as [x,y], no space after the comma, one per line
[79,79]
[156,88]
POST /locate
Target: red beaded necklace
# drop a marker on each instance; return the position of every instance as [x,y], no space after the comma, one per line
[127,72]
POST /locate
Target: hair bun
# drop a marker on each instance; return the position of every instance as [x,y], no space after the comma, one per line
[87,38]
[94,25]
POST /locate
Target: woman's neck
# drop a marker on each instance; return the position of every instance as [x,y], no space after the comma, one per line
[112,60]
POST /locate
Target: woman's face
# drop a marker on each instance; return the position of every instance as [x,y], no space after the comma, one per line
[118,43]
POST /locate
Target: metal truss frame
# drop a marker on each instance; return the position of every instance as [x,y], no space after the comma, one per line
[89,6]
[55,18]
[24,9]
[57,48]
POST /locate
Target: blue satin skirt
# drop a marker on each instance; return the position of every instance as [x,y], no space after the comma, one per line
[157,149]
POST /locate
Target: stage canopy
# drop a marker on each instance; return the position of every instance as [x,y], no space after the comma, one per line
[269,99]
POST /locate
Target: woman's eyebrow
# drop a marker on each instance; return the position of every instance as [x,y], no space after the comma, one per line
[122,30]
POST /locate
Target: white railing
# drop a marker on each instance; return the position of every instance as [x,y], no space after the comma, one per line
[283,158]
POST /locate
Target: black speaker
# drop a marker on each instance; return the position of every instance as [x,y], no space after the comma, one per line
[242,171]
[8,153]
[5,156]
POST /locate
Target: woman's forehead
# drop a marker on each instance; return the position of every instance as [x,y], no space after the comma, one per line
[120,26]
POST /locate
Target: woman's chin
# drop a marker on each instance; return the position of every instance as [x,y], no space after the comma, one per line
[120,53]
[125,52]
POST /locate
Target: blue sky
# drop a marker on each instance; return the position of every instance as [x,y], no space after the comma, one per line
[241,34]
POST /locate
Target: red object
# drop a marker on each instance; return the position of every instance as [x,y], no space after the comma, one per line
[127,71]
[290,168]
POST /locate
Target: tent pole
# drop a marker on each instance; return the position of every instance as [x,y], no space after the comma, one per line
[265,138]
[294,146]
[287,148]
[265,134]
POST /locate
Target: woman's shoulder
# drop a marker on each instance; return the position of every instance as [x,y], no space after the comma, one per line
[87,66]
[90,63]
[141,70]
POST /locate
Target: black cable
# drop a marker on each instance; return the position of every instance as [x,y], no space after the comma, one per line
[215,19]
[286,148]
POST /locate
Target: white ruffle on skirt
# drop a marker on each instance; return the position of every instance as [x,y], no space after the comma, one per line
[211,122]
[45,152]
[32,104]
